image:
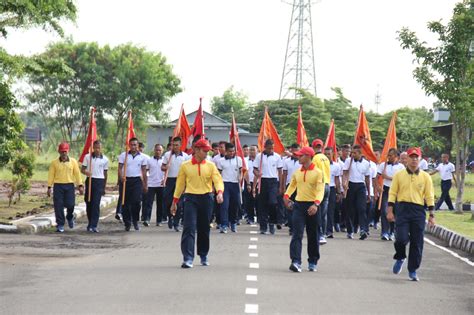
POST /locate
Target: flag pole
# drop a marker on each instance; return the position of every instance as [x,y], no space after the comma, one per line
[124,173]
[89,197]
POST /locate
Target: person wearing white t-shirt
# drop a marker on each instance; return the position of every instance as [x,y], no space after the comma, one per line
[172,161]
[446,170]
[155,185]
[423,164]
[250,202]
[290,165]
[334,190]
[357,185]
[141,148]
[386,170]
[98,175]
[230,167]
[267,169]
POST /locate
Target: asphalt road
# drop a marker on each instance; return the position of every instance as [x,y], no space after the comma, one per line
[115,272]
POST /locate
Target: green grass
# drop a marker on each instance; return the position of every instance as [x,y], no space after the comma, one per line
[460,223]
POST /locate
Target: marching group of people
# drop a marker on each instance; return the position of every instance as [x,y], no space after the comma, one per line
[308,187]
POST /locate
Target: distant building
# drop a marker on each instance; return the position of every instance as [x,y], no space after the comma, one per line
[216,129]
[441,115]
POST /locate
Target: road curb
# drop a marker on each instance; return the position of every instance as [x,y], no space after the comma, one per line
[453,239]
[45,221]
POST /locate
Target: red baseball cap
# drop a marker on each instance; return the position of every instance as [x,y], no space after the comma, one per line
[317,142]
[414,151]
[305,151]
[203,144]
[64,146]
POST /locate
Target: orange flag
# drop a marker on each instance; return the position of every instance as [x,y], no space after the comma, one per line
[362,137]
[301,137]
[198,125]
[268,131]
[331,140]
[234,139]
[182,129]
[91,136]
[391,139]
[130,130]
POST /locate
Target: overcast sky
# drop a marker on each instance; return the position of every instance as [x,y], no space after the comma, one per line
[214,44]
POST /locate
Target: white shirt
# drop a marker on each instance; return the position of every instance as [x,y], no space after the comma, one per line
[156,175]
[335,171]
[230,169]
[250,164]
[99,165]
[216,158]
[390,170]
[270,165]
[373,174]
[446,170]
[176,161]
[290,166]
[358,170]
[134,164]
[423,165]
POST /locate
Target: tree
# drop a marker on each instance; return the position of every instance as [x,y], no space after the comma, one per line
[447,72]
[222,106]
[114,80]
[22,171]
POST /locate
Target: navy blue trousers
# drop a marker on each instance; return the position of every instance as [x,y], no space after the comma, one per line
[133,198]
[168,193]
[387,227]
[331,210]
[267,202]
[300,219]
[356,202]
[249,205]
[93,207]
[154,193]
[445,197]
[197,215]
[231,205]
[410,222]
[63,197]
[323,211]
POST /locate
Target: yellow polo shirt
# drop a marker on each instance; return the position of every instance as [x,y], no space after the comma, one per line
[197,178]
[322,162]
[412,187]
[308,184]
[64,172]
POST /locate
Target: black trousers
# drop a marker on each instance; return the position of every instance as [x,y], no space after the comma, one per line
[302,219]
[267,202]
[154,193]
[445,197]
[356,202]
[133,198]
[168,193]
[63,197]
[331,211]
[93,207]
[249,204]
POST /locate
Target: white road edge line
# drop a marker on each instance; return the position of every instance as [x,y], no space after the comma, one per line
[254,265]
[253,232]
[254,239]
[251,308]
[253,255]
[252,246]
[253,225]
[251,291]
[467,261]
[251,278]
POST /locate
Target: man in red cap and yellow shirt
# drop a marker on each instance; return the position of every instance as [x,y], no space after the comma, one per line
[195,179]
[63,174]
[410,189]
[309,186]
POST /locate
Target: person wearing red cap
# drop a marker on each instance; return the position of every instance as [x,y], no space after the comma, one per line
[410,189]
[309,186]
[63,174]
[322,163]
[195,179]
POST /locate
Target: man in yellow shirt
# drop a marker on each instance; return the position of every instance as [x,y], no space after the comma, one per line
[322,163]
[410,189]
[63,174]
[195,179]
[309,186]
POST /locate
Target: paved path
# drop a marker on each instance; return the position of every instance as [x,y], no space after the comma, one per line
[116,273]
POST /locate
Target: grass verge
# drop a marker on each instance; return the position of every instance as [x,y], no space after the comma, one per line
[459,223]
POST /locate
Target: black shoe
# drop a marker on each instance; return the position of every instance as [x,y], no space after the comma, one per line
[136,227]
[330,236]
[170,224]
[278,226]
[127,228]
[118,217]
[363,236]
[145,223]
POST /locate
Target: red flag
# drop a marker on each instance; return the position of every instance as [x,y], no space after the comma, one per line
[198,125]
[268,131]
[91,136]
[391,139]
[331,140]
[362,137]
[130,130]
[301,137]
[234,139]
[182,129]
